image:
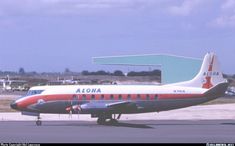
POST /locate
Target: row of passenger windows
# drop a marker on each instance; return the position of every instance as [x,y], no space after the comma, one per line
[116,97]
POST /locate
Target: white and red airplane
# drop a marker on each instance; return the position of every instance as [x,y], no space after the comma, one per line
[105,101]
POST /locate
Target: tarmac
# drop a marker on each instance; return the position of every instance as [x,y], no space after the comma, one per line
[146,131]
[196,124]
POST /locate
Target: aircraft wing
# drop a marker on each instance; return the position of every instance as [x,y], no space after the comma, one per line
[117,104]
[123,105]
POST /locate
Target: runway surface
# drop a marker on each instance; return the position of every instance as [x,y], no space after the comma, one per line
[142,131]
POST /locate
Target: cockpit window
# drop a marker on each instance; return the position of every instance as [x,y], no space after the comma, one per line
[34,92]
[31,92]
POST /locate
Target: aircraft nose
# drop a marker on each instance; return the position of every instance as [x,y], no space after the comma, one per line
[13,105]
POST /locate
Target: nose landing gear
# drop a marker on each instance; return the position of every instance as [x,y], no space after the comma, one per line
[38,122]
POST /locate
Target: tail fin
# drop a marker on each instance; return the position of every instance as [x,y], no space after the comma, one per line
[209,75]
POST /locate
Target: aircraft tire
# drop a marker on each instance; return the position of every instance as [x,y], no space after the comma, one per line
[101,121]
[38,123]
[113,121]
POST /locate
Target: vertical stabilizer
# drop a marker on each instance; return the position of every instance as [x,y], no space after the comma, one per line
[209,74]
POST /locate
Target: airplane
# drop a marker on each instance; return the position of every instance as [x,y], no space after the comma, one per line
[108,102]
[10,85]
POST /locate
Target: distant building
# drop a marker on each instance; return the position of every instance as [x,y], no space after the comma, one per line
[173,68]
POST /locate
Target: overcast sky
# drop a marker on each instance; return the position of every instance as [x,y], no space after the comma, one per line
[50,35]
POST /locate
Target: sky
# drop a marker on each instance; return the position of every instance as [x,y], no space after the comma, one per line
[51,35]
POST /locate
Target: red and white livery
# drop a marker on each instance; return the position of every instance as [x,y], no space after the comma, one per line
[105,101]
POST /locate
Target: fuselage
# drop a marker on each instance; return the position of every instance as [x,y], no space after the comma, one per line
[104,101]
[94,98]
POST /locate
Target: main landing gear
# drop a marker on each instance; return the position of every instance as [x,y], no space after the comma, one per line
[38,122]
[108,119]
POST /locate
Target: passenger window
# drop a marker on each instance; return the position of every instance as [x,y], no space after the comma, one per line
[155,97]
[147,97]
[111,97]
[92,97]
[138,97]
[83,97]
[120,97]
[75,97]
[129,97]
[102,97]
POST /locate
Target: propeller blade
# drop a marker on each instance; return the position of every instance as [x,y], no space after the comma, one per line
[74,107]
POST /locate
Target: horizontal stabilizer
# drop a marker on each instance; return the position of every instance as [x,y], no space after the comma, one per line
[217,91]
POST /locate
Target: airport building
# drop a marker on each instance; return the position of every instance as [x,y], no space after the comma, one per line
[173,68]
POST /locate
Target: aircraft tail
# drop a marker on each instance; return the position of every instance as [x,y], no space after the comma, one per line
[209,75]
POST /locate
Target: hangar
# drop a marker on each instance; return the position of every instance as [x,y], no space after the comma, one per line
[173,68]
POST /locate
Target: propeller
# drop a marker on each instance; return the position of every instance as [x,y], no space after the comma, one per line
[77,108]
[69,109]
[74,106]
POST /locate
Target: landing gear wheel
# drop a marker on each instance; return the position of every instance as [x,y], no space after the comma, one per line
[38,123]
[108,119]
[101,121]
[113,121]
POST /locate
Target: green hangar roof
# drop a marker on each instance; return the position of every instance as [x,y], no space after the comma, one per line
[173,68]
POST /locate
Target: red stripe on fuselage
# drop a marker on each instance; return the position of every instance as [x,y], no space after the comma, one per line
[134,97]
[178,96]
[34,99]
